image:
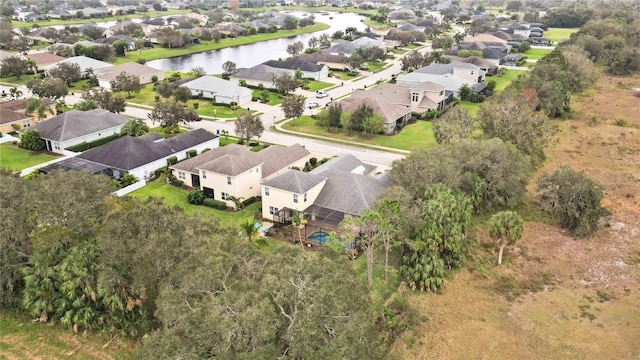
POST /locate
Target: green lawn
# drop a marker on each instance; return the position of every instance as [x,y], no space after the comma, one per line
[158,52]
[343,75]
[12,80]
[536,54]
[503,81]
[471,108]
[399,51]
[413,136]
[558,34]
[176,196]
[375,66]
[318,85]
[51,22]
[275,98]
[381,290]
[375,24]
[15,158]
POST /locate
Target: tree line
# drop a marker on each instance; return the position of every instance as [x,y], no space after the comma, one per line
[187,286]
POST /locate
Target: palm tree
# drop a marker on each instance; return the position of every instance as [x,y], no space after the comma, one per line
[506,227]
[299,221]
[249,230]
[134,127]
[37,105]
[237,202]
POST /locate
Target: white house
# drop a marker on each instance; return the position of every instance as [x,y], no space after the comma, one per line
[223,91]
[77,127]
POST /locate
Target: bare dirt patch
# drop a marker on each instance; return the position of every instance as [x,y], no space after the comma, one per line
[557,297]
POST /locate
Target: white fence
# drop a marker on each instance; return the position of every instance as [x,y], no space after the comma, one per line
[130,188]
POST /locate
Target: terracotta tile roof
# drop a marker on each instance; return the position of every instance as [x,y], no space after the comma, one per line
[42,59]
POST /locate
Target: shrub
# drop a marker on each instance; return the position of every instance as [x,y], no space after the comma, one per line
[253,143]
[205,150]
[30,140]
[172,160]
[249,201]
[620,122]
[313,161]
[196,197]
[295,168]
[240,141]
[213,203]
[142,61]
[192,153]
[154,78]
[177,183]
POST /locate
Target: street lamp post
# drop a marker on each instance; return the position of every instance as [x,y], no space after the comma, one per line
[274,120]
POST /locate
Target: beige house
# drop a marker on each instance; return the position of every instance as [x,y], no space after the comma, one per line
[235,170]
[13,117]
[396,102]
[342,186]
[143,72]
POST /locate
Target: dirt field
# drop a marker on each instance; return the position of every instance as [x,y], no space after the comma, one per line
[556,297]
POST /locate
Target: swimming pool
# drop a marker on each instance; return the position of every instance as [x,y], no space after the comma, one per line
[319,237]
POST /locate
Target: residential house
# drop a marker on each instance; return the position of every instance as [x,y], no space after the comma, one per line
[342,186]
[485,65]
[513,59]
[131,42]
[84,63]
[396,102]
[324,57]
[223,91]
[235,170]
[309,69]
[401,15]
[77,127]
[61,13]
[43,60]
[484,37]
[25,16]
[13,117]
[258,75]
[445,5]
[143,72]
[231,29]
[525,29]
[139,156]
[452,76]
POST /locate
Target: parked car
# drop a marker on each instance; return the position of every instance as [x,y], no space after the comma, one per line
[312,104]
[321,94]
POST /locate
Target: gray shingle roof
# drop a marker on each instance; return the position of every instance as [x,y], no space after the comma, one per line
[192,165]
[127,153]
[295,181]
[75,123]
[345,162]
[230,164]
[350,193]
[276,157]
[293,64]
[441,69]
[217,86]
[259,72]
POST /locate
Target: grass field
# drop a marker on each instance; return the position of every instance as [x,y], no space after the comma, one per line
[471,108]
[536,54]
[318,85]
[275,98]
[159,52]
[503,81]
[23,339]
[15,158]
[413,136]
[176,196]
[558,34]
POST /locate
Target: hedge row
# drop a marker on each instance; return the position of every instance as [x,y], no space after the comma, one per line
[213,203]
[90,145]
[249,201]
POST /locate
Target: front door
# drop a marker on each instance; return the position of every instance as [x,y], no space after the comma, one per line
[208,192]
[195,181]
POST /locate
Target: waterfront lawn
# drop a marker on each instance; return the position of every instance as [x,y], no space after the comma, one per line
[559,34]
[159,52]
[275,98]
[172,195]
[14,158]
[318,85]
[51,22]
[413,136]
[375,24]
[536,54]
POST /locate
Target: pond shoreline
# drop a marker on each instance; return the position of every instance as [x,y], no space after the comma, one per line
[164,53]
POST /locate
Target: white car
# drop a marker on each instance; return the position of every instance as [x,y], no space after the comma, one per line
[312,104]
[321,94]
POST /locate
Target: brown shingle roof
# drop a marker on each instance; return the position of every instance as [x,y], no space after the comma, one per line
[130,68]
[42,59]
[8,117]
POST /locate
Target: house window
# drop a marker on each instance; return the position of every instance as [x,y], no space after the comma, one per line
[305,197]
[204,174]
[266,191]
[414,97]
[224,196]
[273,210]
[181,175]
[295,198]
[228,180]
